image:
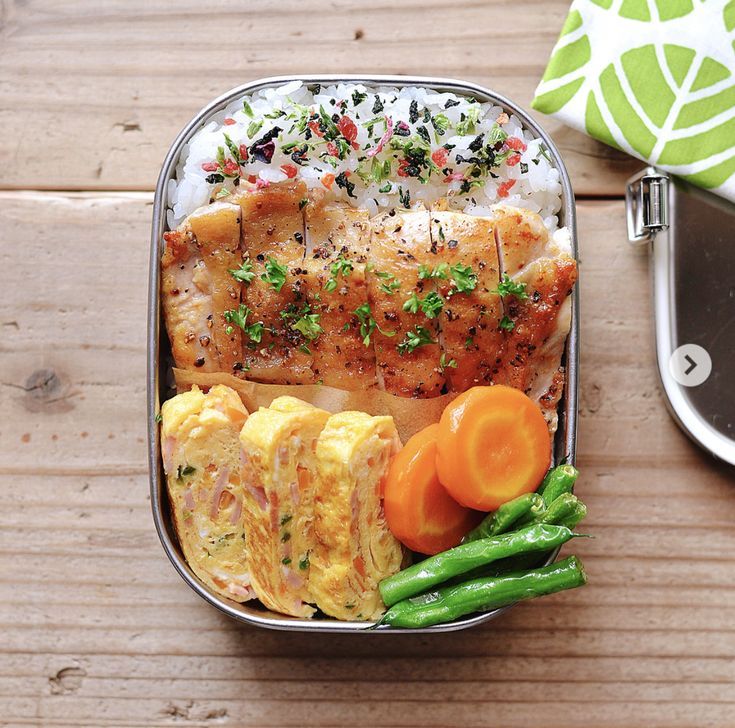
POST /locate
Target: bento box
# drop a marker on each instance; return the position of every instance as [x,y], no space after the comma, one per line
[160,383]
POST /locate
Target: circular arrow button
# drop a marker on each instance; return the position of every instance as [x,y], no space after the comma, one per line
[690,365]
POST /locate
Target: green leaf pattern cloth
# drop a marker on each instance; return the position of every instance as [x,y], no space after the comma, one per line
[655,78]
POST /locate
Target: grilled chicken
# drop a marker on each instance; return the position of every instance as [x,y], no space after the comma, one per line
[197,289]
[409,299]
[471,339]
[273,243]
[540,319]
[338,242]
[407,351]
[522,237]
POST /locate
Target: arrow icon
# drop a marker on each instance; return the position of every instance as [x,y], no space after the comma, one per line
[690,365]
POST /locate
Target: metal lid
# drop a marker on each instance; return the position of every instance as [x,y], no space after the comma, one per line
[692,236]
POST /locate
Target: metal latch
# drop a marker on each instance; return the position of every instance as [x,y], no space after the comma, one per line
[646,204]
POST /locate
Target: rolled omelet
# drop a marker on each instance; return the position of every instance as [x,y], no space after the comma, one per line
[201,457]
[278,446]
[354,549]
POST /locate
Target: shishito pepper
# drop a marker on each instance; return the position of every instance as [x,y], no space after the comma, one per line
[461,559]
[480,595]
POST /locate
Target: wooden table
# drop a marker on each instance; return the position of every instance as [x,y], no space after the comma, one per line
[96,629]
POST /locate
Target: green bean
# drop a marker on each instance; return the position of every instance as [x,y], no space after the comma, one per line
[566,510]
[557,481]
[481,595]
[461,559]
[506,516]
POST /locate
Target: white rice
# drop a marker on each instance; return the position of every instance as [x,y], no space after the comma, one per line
[530,181]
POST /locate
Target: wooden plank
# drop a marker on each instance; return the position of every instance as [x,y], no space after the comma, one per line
[107,91]
[98,630]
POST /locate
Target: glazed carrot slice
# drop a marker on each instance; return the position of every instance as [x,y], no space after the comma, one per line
[420,512]
[493,446]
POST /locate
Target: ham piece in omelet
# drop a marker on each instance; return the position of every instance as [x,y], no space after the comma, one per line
[201,457]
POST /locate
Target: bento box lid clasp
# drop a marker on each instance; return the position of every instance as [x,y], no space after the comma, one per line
[646,205]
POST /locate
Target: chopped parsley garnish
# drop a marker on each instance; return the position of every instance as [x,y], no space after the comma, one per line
[234,151]
[496,135]
[377,173]
[158,418]
[523,167]
[286,561]
[390,283]
[440,122]
[412,303]
[507,324]
[340,267]
[304,562]
[387,187]
[368,323]
[543,151]
[467,122]
[308,326]
[444,364]
[464,279]
[226,167]
[358,97]
[331,132]
[303,203]
[181,471]
[240,318]
[244,273]
[413,339]
[285,519]
[431,304]
[304,321]
[507,287]
[275,274]
[254,127]
[439,271]
[469,342]
[286,537]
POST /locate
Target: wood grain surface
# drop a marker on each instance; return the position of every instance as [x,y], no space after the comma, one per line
[96,629]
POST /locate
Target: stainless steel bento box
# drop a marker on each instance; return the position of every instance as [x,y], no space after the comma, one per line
[159,358]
